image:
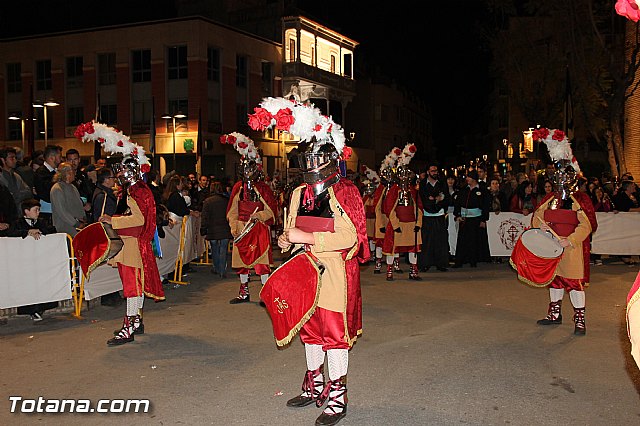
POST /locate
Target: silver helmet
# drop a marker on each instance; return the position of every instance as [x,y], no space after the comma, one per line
[320,168]
[565,180]
[127,171]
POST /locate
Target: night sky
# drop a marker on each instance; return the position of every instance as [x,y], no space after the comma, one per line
[437,53]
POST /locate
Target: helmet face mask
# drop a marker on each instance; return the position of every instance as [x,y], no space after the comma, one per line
[565,179]
[320,168]
[127,171]
[250,170]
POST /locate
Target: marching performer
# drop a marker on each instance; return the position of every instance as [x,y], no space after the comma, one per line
[387,178]
[251,201]
[371,182]
[326,218]
[569,214]
[136,261]
[403,208]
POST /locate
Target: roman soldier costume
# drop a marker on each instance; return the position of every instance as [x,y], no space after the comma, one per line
[387,180]
[325,223]
[571,216]
[370,183]
[403,207]
[251,212]
[136,227]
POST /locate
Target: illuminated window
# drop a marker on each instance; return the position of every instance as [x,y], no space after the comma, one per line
[292,50]
[333,64]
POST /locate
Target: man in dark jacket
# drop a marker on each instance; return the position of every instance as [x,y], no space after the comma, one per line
[435,236]
[215,228]
[43,180]
[471,211]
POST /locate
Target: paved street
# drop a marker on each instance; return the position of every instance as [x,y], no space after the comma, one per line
[460,347]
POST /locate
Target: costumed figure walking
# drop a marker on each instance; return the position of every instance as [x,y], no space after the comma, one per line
[569,215]
[251,212]
[136,227]
[471,212]
[326,229]
[387,180]
[371,183]
[403,207]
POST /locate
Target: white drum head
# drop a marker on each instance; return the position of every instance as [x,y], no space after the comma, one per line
[541,243]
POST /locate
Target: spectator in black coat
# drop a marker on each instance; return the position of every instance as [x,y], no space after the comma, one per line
[8,210]
[215,228]
[43,180]
[104,200]
[173,199]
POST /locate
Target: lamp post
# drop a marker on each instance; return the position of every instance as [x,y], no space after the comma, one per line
[173,131]
[45,105]
[15,117]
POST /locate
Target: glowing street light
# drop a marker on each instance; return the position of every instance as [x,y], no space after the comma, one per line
[173,117]
[15,117]
[45,105]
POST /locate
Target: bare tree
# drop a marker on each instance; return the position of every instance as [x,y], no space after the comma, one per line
[588,37]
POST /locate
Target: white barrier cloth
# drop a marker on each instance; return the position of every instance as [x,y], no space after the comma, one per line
[34,271]
[617,234]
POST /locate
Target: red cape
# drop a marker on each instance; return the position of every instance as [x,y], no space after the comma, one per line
[263,190]
[143,196]
[348,196]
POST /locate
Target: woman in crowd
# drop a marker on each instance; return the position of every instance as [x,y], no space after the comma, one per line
[173,199]
[523,201]
[66,205]
[548,188]
[601,200]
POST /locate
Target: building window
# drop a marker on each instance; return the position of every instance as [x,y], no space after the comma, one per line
[14,127]
[333,64]
[241,71]
[141,65]
[292,50]
[107,69]
[43,75]
[347,65]
[177,63]
[241,116]
[14,80]
[213,64]
[74,72]
[142,112]
[267,78]
[313,56]
[109,114]
[75,116]
[214,110]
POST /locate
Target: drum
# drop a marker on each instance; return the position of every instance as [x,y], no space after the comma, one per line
[253,242]
[536,256]
[291,295]
[95,244]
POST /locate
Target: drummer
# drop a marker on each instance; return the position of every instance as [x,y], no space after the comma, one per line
[251,199]
[569,213]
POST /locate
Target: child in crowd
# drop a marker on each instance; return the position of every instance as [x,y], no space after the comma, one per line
[29,225]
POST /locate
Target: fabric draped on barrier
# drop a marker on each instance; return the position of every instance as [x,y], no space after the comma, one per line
[617,234]
[34,271]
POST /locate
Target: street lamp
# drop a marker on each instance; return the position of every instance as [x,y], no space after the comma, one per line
[49,103]
[15,117]
[173,131]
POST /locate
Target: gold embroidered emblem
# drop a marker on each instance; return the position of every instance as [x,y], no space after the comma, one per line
[281,305]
